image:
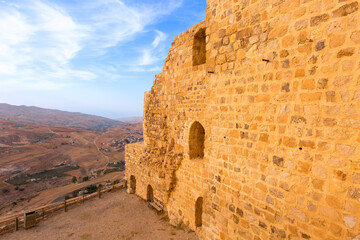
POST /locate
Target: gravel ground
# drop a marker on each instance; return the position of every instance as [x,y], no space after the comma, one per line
[116,216]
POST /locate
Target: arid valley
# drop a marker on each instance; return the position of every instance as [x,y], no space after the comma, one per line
[57,160]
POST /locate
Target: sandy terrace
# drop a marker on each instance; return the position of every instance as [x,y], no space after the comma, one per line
[116,216]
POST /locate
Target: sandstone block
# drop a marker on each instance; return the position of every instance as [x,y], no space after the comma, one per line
[222,33]
[355,37]
[337,162]
[239,212]
[308,84]
[345,150]
[279,233]
[346,52]
[307,143]
[298,214]
[337,41]
[333,202]
[278,161]
[320,45]
[319,19]
[301,24]
[290,142]
[288,41]
[298,120]
[320,171]
[330,122]
[354,193]
[356,178]
[346,9]
[310,97]
[350,221]
[330,96]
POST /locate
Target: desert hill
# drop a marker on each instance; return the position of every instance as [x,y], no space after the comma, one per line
[55,118]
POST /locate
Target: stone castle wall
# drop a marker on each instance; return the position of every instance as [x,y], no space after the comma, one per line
[279,100]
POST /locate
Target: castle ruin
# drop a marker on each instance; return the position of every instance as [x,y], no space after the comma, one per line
[252,130]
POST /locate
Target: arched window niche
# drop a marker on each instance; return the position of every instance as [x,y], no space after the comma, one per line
[150,194]
[196,140]
[198,212]
[132,184]
[199,47]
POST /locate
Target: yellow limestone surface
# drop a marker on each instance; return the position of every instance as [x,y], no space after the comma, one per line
[252,130]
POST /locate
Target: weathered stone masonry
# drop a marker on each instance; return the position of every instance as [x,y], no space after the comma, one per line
[258,136]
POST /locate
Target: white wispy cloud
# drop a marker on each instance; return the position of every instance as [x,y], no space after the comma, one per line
[10,4]
[40,40]
[152,53]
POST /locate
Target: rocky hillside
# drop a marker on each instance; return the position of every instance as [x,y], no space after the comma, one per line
[55,118]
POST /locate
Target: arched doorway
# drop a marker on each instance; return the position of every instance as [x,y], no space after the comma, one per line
[132,184]
[196,140]
[150,194]
[198,212]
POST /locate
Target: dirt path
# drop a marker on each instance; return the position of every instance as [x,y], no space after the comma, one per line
[116,216]
[101,153]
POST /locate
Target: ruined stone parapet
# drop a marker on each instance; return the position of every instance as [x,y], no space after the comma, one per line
[152,167]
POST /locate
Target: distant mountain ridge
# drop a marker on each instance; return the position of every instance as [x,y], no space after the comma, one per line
[50,117]
[131,120]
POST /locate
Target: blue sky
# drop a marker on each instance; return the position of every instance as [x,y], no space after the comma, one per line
[90,56]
